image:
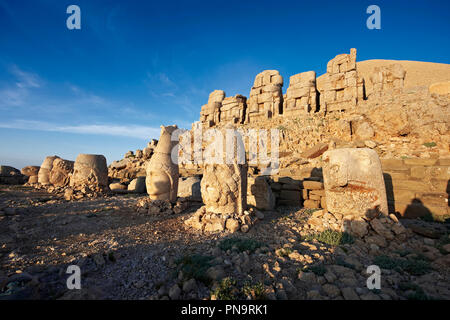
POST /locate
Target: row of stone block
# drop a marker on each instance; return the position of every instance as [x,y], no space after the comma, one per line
[417,187]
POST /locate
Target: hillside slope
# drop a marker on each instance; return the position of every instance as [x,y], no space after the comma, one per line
[417,73]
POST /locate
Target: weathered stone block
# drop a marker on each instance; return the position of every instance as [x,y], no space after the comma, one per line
[354,181]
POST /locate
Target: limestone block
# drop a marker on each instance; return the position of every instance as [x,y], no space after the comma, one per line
[259,194]
[90,170]
[137,185]
[224,188]
[44,171]
[353,181]
[190,188]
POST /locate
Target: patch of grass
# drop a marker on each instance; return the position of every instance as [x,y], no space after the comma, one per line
[417,266]
[283,129]
[444,218]
[418,294]
[443,240]
[403,253]
[331,237]
[341,262]
[195,266]
[430,144]
[242,244]
[254,291]
[310,211]
[226,290]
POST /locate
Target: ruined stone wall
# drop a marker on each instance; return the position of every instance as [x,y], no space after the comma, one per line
[299,187]
[301,95]
[414,187]
[233,110]
[342,88]
[210,113]
[266,96]
[417,187]
[388,78]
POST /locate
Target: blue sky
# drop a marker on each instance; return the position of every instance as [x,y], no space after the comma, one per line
[136,65]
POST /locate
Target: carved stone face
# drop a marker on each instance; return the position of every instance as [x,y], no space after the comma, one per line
[158,185]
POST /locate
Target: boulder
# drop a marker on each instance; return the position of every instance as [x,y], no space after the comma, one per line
[7,171]
[119,164]
[117,186]
[11,176]
[61,171]
[30,171]
[190,188]
[137,185]
[259,193]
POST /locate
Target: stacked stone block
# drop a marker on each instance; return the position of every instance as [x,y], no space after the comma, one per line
[342,88]
[301,95]
[210,113]
[232,110]
[266,97]
[291,191]
[314,195]
[388,78]
[417,187]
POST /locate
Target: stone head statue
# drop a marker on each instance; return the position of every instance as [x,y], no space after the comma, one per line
[162,173]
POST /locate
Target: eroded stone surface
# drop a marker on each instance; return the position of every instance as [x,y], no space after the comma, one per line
[90,170]
[162,172]
[44,171]
[61,172]
[354,181]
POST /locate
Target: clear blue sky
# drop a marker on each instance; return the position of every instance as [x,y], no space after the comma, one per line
[135,65]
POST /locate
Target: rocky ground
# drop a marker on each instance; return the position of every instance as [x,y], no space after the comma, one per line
[125,253]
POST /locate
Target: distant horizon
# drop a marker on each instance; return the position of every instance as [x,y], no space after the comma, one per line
[107,88]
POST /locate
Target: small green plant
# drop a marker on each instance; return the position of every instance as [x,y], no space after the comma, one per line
[418,293]
[331,237]
[318,269]
[226,290]
[195,266]
[310,211]
[242,244]
[430,144]
[403,253]
[341,262]
[416,266]
[254,291]
[443,240]
[283,129]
